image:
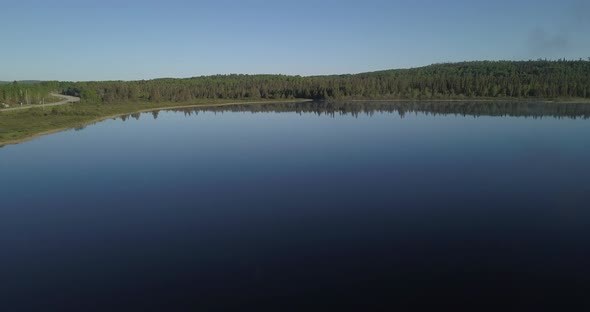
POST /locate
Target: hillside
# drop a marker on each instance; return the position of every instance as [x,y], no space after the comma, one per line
[526,79]
[466,80]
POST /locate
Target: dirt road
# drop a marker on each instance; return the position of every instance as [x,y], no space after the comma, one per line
[66,100]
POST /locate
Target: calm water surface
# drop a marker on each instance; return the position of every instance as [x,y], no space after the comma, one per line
[301,205]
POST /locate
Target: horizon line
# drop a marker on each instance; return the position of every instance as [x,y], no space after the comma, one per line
[2,81]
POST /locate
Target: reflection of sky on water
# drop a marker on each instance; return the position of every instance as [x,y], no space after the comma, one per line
[240,206]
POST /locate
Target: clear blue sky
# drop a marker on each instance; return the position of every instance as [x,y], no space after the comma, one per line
[143,39]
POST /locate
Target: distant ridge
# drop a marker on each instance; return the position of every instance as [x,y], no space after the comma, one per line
[21,81]
[562,80]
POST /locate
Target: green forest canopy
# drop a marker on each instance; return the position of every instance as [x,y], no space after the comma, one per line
[481,79]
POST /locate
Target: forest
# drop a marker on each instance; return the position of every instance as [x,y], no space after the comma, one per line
[545,79]
[29,92]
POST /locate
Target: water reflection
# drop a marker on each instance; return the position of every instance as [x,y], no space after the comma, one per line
[224,213]
[355,108]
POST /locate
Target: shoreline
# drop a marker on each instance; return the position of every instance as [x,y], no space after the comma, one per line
[503,100]
[147,110]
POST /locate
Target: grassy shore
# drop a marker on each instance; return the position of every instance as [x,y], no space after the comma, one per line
[23,125]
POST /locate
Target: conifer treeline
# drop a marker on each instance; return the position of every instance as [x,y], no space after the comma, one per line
[489,79]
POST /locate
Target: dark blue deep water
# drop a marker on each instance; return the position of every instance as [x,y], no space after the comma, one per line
[301,206]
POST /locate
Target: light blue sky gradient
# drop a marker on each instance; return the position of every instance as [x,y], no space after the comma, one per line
[142,39]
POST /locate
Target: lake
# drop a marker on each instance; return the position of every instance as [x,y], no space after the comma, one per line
[294,206]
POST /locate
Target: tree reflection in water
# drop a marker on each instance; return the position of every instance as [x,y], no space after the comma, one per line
[355,108]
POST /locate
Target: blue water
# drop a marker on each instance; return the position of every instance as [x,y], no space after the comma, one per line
[289,209]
